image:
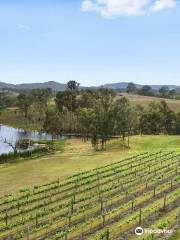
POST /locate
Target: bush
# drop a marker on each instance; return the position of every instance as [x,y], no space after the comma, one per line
[8,157]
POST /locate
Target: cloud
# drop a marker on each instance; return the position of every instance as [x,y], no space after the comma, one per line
[110,8]
[88,6]
[23,27]
[163,4]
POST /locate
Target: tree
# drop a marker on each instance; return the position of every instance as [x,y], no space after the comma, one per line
[67,103]
[7,99]
[41,96]
[72,85]
[125,118]
[164,91]
[52,123]
[86,122]
[151,120]
[61,100]
[11,144]
[86,98]
[172,93]
[168,117]
[33,104]
[158,118]
[98,119]
[40,100]
[131,88]
[24,101]
[177,124]
[104,100]
[146,91]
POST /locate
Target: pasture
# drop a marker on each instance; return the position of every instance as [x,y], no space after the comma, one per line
[144,101]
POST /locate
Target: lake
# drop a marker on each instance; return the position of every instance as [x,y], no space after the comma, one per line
[14,134]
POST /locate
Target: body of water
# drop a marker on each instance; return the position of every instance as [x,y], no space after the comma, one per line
[13,134]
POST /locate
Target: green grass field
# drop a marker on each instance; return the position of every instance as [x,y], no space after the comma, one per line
[76,156]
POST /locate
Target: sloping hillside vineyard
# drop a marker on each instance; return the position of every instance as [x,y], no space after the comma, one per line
[104,203]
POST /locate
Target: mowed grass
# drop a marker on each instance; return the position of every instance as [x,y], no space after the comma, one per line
[76,156]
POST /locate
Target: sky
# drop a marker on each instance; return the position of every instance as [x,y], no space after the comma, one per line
[91,41]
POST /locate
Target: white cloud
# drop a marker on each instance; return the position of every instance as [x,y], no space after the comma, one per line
[88,5]
[23,27]
[162,4]
[110,8]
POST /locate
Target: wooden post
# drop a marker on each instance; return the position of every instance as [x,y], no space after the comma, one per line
[69,220]
[171,185]
[118,178]
[164,205]
[36,219]
[28,233]
[128,139]
[104,218]
[72,206]
[140,216]
[126,195]
[107,234]
[132,205]
[178,217]
[101,205]
[6,218]
[65,236]
[154,191]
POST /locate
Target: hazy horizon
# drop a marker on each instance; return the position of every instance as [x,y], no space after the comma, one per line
[89,85]
[90,41]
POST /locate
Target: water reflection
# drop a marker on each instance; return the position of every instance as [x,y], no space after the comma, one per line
[13,135]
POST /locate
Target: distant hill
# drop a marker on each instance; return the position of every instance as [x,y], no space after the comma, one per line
[56,86]
[123,85]
[6,85]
